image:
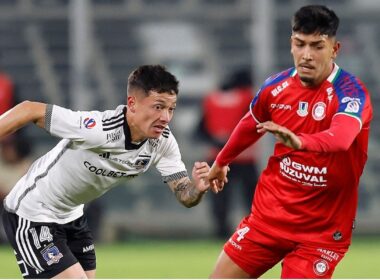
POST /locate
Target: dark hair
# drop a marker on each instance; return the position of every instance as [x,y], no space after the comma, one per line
[315,19]
[153,77]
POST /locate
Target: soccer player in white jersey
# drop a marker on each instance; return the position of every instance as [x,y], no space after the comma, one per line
[44,211]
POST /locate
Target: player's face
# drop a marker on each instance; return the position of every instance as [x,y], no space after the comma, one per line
[151,114]
[313,56]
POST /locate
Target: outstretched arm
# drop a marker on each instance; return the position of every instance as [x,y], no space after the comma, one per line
[242,137]
[189,192]
[20,115]
[338,137]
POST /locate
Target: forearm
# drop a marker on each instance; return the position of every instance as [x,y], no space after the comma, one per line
[339,137]
[244,134]
[21,115]
[187,193]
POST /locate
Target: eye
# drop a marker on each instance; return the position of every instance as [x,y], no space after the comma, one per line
[172,109]
[158,107]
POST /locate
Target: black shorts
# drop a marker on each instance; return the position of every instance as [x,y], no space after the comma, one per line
[44,250]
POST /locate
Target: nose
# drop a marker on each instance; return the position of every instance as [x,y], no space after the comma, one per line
[165,116]
[307,54]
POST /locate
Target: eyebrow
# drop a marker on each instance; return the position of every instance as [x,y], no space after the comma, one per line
[312,43]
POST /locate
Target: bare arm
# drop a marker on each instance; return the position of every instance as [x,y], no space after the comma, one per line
[20,115]
[188,192]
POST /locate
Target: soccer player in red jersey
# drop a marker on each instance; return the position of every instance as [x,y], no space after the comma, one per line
[304,207]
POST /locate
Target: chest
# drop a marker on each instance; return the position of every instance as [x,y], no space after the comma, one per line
[303,110]
[113,161]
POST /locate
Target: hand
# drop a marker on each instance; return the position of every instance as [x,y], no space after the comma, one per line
[199,174]
[282,134]
[218,177]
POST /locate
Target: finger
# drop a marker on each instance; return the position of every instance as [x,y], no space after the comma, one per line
[220,185]
[213,186]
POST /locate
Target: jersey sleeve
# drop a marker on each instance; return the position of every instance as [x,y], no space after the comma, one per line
[353,99]
[339,137]
[258,108]
[82,127]
[244,135]
[169,163]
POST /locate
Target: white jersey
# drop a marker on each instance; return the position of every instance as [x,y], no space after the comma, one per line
[95,154]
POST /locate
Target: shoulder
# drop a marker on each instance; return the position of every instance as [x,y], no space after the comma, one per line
[278,78]
[274,84]
[353,97]
[112,119]
[346,84]
[165,141]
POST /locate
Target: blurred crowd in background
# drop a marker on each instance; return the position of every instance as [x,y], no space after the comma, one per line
[78,54]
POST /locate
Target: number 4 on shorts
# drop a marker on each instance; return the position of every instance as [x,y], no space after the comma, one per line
[241,232]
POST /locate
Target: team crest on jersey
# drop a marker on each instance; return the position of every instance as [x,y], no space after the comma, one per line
[319,111]
[51,254]
[89,123]
[141,163]
[320,267]
[303,109]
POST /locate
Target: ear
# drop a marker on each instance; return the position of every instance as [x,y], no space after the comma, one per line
[131,103]
[336,49]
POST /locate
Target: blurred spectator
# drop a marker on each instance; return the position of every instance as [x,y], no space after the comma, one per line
[222,110]
[14,162]
[6,92]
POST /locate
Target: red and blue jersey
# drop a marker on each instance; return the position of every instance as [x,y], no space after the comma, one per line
[309,194]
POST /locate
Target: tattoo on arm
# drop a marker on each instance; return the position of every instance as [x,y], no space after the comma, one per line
[187,193]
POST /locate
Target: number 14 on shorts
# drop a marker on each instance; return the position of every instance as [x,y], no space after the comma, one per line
[241,232]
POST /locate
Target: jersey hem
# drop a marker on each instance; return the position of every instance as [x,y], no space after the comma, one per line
[50,220]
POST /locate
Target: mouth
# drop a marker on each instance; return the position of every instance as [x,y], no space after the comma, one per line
[158,128]
[306,67]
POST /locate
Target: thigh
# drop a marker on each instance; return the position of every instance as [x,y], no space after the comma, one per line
[254,251]
[312,261]
[40,249]
[81,243]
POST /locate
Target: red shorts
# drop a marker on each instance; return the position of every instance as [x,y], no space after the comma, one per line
[256,252]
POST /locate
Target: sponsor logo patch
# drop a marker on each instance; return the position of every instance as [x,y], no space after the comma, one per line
[114,136]
[281,106]
[312,176]
[328,255]
[234,244]
[279,88]
[89,123]
[88,248]
[337,236]
[353,104]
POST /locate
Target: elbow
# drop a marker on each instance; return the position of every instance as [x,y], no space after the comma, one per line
[189,204]
[343,148]
[28,107]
